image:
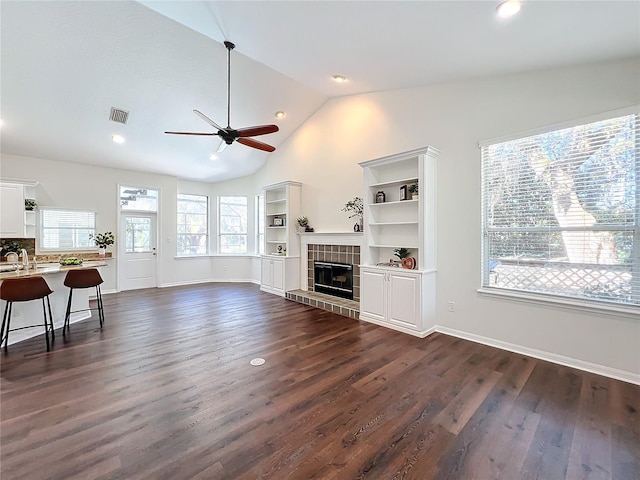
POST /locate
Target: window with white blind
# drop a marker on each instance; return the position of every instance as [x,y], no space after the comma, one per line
[232,225]
[193,225]
[66,230]
[560,213]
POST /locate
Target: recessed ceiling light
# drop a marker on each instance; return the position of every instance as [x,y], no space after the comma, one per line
[280,114]
[508,8]
[339,78]
[118,138]
[213,157]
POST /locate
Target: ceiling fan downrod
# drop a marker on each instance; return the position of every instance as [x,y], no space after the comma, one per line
[230,46]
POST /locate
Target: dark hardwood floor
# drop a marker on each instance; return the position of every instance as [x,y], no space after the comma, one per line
[165,391]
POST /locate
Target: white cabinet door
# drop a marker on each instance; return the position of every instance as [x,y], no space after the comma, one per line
[12,210]
[265,273]
[404,300]
[373,293]
[277,272]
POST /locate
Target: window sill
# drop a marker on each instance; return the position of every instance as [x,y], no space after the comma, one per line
[571,304]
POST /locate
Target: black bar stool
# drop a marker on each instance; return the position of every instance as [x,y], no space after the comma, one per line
[24,290]
[85,278]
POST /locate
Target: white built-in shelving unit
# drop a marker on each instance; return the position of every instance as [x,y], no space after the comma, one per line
[391,296]
[281,262]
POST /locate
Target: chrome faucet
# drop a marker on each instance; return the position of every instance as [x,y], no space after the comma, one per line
[25,259]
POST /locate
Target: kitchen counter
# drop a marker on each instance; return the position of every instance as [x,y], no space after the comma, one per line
[50,268]
[30,313]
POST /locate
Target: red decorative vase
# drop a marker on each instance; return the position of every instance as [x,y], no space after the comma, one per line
[409,263]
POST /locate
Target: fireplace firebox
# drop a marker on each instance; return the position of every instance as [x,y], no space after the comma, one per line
[333,279]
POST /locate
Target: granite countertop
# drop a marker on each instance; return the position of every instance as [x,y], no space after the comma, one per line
[50,268]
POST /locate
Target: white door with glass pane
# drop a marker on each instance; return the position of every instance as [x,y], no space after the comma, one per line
[138,259]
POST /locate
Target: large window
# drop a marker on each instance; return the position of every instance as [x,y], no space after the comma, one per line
[232,220]
[260,224]
[66,230]
[193,224]
[560,213]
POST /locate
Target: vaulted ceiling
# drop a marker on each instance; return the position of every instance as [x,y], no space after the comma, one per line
[65,64]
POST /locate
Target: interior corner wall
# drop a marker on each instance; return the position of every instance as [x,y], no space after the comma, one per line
[324,153]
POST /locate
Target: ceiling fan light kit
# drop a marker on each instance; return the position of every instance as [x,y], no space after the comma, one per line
[228,134]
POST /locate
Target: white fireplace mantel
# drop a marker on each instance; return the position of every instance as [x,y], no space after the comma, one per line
[323,238]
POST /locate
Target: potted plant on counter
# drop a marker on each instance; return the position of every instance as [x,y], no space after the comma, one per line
[103,240]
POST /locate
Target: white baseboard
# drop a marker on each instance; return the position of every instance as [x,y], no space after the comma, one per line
[399,328]
[623,375]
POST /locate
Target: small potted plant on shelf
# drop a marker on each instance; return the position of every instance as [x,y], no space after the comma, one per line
[405,259]
[29,204]
[413,189]
[303,223]
[103,240]
[356,208]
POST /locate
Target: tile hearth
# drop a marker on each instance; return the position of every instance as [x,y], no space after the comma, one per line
[341,306]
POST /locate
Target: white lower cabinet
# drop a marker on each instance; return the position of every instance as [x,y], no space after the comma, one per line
[398,299]
[279,274]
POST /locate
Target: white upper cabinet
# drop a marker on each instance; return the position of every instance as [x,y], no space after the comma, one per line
[15,221]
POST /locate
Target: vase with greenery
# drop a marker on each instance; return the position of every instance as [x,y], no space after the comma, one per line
[303,223]
[102,241]
[29,204]
[356,208]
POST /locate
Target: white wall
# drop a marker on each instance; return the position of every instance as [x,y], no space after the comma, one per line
[70,185]
[323,154]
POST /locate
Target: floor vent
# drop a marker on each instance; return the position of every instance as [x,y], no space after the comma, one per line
[118,115]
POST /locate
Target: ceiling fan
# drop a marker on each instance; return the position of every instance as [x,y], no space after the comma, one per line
[228,134]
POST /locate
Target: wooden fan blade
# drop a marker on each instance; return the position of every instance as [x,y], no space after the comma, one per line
[250,142]
[192,133]
[257,130]
[208,120]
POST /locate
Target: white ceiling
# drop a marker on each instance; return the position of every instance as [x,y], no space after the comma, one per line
[65,64]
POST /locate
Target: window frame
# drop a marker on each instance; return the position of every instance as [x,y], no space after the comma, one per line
[207,216]
[91,247]
[582,302]
[260,225]
[222,234]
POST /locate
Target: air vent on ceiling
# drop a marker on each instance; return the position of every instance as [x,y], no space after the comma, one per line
[118,115]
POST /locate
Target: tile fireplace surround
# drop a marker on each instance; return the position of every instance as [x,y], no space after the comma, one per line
[329,247]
